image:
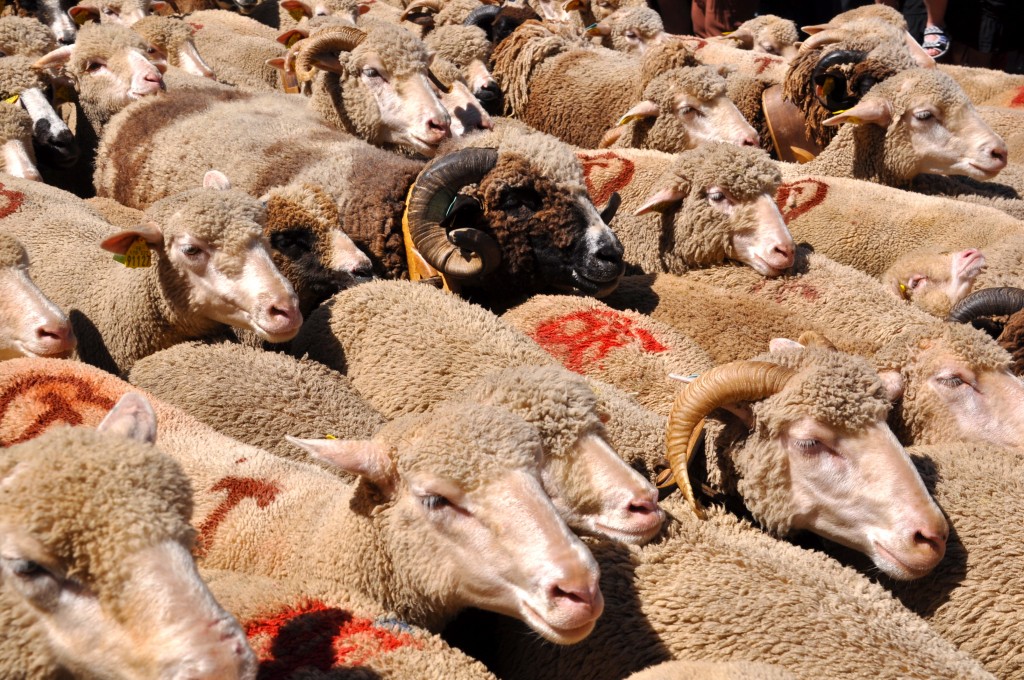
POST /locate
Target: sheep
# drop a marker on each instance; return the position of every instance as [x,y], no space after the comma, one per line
[292,13]
[95,530]
[468,48]
[124,12]
[25,36]
[631,351]
[529,187]
[173,37]
[934,281]
[16,143]
[592,11]
[630,30]
[722,591]
[32,325]
[714,204]
[52,14]
[620,504]
[23,88]
[388,538]
[1005,301]
[767,34]
[682,108]
[428,15]
[467,113]
[212,269]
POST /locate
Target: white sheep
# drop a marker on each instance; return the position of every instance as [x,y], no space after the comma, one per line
[32,325]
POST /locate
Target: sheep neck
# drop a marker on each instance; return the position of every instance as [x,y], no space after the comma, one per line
[857,152]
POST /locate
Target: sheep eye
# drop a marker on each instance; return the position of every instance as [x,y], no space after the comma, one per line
[716,196]
[434,502]
[924,115]
[27,569]
[916,282]
[371,72]
[109,12]
[631,35]
[687,110]
[93,66]
[190,250]
[952,381]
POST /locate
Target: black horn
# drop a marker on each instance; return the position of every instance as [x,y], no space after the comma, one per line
[462,253]
[831,88]
[614,201]
[483,17]
[987,302]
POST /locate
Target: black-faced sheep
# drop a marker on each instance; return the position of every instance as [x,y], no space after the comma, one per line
[23,88]
[211,269]
[95,530]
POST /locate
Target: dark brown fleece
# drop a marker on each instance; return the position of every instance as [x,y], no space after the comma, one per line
[1012,340]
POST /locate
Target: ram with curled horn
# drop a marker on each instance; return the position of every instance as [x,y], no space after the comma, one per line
[800,436]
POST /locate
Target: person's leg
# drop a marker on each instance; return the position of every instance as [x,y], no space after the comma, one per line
[936,42]
[697,10]
[722,16]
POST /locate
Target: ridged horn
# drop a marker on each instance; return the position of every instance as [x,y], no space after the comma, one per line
[464,253]
[482,17]
[834,96]
[725,384]
[433,5]
[987,302]
[333,39]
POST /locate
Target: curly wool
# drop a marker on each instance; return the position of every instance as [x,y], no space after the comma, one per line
[460,45]
[658,59]
[17,75]
[454,12]
[520,54]
[771,28]
[135,497]
[643,21]
[221,218]
[16,125]
[559,404]
[26,36]
[889,15]
[168,34]
[12,253]
[1012,340]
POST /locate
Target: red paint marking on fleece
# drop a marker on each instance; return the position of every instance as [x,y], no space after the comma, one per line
[58,399]
[238,488]
[763,63]
[581,338]
[12,200]
[1018,101]
[313,635]
[798,197]
[600,195]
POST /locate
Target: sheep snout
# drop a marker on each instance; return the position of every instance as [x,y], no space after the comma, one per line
[146,78]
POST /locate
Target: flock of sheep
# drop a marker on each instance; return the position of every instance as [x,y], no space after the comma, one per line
[361,337]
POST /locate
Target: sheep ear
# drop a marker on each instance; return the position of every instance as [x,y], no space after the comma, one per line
[645,109]
[121,241]
[54,59]
[782,344]
[132,417]
[83,15]
[276,62]
[289,38]
[817,28]
[215,179]
[572,5]
[598,29]
[893,384]
[191,62]
[744,37]
[874,110]
[363,457]
[363,8]
[663,200]
[297,9]
[159,7]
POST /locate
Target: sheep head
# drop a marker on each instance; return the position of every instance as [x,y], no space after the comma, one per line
[54,142]
[460,490]
[309,246]
[465,110]
[717,204]
[953,383]
[94,528]
[173,38]
[867,26]
[300,11]
[111,67]
[376,85]
[513,218]
[467,48]
[124,12]
[682,109]
[767,34]
[807,448]
[32,325]
[928,125]
[590,485]
[934,281]
[53,14]
[214,264]
[631,30]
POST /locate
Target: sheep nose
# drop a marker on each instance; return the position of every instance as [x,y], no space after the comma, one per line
[783,253]
[576,599]
[750,140]
[610,251]
[55,338]
[153,77]
[930,544]
[1000,153]
[363,272]
[439,127]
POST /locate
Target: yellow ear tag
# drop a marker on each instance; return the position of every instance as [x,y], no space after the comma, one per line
[137,255]
[12,100]
[82,18]
[329,436]
[296,37]
[296,14]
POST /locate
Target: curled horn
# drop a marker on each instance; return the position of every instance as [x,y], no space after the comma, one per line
[463,253]
[433,5]
[332,38]
[725,384]
[482,17]
[831,89]
[987,302]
